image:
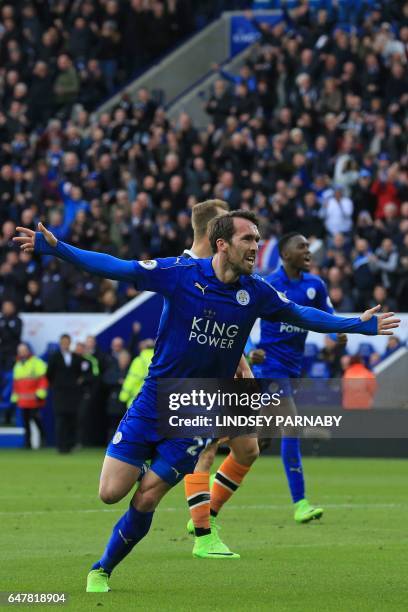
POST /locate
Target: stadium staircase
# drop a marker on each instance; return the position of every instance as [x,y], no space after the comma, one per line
[184,81]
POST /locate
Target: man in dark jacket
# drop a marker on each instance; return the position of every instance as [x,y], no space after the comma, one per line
[219,104]
[40,100]
[10,334]
[65,376]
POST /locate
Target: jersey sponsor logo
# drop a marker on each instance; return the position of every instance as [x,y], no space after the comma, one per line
[291,329]
[117,437]
[311,293]
[282,296]
[148,264]
[196,284]
[243,297]
[207,331]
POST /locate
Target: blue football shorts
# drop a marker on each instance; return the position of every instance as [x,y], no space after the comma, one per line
[136,441]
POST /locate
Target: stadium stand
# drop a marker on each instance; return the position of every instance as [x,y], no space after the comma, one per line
[311,133]
[317,143]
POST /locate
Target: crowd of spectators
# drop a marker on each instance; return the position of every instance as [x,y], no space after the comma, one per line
[53,54]
[311,133]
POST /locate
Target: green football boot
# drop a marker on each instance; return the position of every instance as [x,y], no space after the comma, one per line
[97,581]
[211,547]
[305,512]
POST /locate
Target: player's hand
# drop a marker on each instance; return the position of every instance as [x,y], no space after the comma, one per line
[27,242]
[385,321]
[257,356]
[342,339]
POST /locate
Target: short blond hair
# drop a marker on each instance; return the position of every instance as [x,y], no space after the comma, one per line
[203,212]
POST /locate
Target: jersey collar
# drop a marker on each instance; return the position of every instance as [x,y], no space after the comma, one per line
[206,266]
[208,271]
[190,253]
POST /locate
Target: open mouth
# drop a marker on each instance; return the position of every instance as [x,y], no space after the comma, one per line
[250,259]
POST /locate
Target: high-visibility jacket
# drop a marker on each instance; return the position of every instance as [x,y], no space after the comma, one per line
[135,377]
[30,383]
[359,387]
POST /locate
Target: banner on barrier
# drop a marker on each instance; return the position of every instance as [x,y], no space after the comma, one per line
[244,32]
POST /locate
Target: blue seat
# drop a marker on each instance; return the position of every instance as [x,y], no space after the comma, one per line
[6,388]
[365,350]
[51,348]
[311,349]
[318,369]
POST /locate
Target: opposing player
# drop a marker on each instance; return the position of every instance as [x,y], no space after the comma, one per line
[280,352]
[237,297]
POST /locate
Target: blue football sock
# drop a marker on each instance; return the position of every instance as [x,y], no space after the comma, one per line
[292,460]
[128,531]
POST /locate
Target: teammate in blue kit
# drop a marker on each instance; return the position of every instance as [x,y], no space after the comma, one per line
[280,351]
[190,343]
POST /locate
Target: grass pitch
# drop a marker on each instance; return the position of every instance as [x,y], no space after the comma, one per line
[53,527]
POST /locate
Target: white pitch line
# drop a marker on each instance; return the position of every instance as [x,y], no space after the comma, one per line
[181,509]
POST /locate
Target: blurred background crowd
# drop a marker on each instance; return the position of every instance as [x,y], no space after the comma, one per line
[311,133]
[69,51]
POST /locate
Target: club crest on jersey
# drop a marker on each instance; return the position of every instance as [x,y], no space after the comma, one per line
[117,437]
[311,293]
[243,297]
[148,264]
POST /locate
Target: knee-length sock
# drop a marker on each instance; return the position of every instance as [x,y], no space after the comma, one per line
[228,478]
[128,531]
[292,460]
[197,489]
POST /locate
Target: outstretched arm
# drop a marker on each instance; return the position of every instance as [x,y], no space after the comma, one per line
[369,323]
[275,306]
[45,243]
[161,275]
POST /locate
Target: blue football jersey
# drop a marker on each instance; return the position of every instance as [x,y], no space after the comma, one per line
[284,343]
[204,323]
